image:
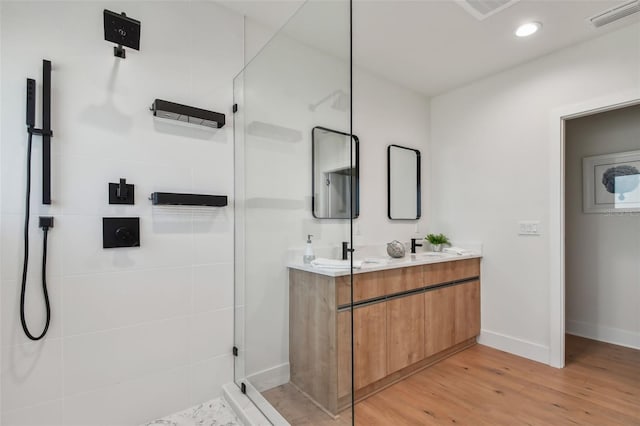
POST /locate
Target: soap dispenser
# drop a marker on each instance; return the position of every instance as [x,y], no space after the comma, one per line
[308,252]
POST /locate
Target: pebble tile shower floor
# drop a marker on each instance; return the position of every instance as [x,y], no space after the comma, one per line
[212,413]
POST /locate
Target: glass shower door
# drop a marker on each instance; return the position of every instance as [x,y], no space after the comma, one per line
[292,330]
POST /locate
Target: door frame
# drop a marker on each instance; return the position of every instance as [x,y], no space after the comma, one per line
[557,208]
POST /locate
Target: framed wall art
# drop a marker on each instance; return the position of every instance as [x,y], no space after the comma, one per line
[611,183]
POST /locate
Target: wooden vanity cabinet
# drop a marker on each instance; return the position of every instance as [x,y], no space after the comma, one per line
[404,320]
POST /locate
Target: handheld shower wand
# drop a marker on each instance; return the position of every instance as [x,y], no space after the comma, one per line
[46,222]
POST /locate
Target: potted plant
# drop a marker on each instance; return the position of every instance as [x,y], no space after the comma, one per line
[437,241]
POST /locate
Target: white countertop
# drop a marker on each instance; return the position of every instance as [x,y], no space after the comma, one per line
[423,258]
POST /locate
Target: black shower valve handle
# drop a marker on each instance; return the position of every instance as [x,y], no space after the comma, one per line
[124,234]
[121,191]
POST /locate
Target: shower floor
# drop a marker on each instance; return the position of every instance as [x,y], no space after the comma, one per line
[211,413]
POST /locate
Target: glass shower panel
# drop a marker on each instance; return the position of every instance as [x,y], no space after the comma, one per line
[292,333]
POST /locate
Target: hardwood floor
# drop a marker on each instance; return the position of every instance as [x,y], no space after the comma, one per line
[600,385]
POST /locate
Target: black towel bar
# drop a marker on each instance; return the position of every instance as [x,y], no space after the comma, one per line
[177,199]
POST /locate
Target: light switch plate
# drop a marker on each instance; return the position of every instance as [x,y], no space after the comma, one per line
[529,227]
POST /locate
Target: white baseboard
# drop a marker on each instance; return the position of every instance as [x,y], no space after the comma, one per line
[513,345]
[616,336]
[270,378]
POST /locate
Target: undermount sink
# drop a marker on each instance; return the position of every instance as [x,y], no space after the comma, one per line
[408,258]
[430,254]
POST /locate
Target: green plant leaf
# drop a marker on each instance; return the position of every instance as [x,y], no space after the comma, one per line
[437,239]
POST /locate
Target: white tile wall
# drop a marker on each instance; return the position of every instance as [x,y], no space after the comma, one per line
[96,296]
[209,334]
[209,376]
[31,373]
[208,295]
[47,414]
[99,359]
[135,333]
[12,333]
[130,402]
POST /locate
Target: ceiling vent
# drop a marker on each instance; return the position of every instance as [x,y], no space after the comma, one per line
[482,9]
[615,13]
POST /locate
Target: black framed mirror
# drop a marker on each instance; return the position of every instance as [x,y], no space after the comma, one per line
[403,183]
[335,174]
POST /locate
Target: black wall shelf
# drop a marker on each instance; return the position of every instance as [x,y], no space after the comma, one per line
[187,114]
[177,199]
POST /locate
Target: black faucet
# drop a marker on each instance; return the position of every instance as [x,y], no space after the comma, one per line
[414,245]
[346,250]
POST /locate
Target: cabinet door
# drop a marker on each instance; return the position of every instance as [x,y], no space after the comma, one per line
[467,322]
[439,313]
[370,340]
[344,354]
[405,331]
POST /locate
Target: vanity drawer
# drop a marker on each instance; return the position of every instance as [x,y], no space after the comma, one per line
[365,286]
[438,273]
[402,279]
[378,284]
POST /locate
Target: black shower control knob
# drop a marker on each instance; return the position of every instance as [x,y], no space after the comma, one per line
[120,232]
[124,234]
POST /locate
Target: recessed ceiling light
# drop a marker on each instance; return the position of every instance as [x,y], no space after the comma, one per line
[525,30]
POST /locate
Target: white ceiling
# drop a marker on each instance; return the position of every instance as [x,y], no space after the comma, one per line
[433,46]
[272,13]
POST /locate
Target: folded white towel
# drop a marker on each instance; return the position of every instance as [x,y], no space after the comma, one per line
[376,260]
[335,264]
[457,250]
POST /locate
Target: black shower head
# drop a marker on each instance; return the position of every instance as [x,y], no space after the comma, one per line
[122,30]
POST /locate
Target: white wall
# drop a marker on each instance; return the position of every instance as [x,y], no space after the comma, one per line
[490,169]
[135,333]
[603,250]
[385,113]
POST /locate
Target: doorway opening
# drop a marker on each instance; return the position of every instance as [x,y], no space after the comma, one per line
[602,229]
[561,123]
